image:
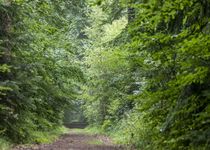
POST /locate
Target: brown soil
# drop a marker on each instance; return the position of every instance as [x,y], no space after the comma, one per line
[76,141]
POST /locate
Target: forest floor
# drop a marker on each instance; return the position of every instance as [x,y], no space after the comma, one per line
[75,140]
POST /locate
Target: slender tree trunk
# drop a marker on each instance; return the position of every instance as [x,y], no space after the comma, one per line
[131,11]
[5,29]
[5,32]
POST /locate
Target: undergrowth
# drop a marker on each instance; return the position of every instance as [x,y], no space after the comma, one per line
[48,137]
[5,144]
[37,137]
[115,135]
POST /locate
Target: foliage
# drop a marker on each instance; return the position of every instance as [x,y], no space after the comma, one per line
[158,92]
[104,63]
[38,67]
[5,144]
[50,136]
[145,67]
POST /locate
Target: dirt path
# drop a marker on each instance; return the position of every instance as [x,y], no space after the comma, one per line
[76,141]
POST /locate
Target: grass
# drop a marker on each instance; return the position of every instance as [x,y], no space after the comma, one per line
[5,144]
[88,130]
[44,137]
[95,142]
[37,137]
[93,130]
[49,137]
[116,136]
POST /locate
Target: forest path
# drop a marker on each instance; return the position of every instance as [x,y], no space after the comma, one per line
[76,141]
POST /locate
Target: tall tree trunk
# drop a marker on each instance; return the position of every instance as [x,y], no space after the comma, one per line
[6,38]
[131,11]
[5,29]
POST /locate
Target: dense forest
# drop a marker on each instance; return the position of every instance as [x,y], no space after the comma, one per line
[138,70]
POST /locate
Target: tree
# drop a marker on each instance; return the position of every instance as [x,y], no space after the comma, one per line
[167,60]
[43,68]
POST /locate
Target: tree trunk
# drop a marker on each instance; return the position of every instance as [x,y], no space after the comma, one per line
[5,29]
[131,11]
